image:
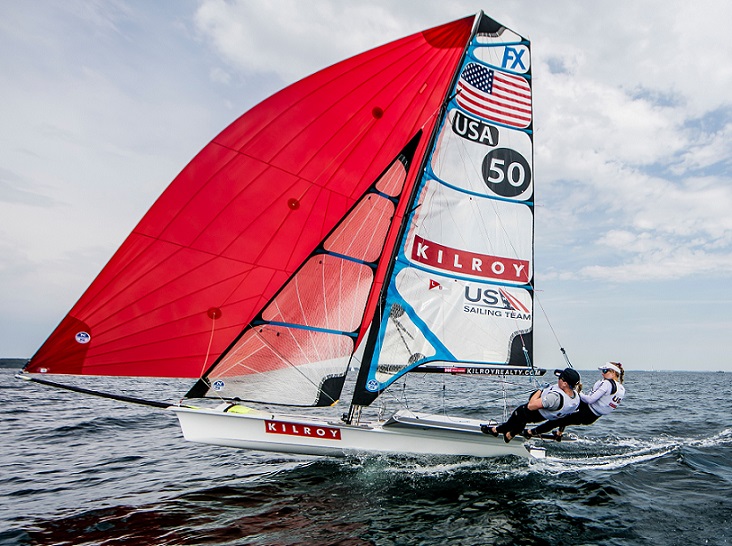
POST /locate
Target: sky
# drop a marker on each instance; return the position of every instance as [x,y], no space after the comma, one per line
[105,101]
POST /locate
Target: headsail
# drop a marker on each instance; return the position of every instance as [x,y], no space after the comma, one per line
[297,351]
[460,291]
[250,209]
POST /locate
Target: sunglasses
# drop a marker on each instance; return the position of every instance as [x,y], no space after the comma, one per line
[605,370]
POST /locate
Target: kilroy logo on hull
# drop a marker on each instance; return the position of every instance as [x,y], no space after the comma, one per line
[299,429]
[469,263]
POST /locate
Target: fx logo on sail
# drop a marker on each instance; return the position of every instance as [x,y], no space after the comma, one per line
[513,58]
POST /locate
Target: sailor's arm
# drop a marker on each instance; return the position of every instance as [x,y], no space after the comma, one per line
[535,401]
[595,395]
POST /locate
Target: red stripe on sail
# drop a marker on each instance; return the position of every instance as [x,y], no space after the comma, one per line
[469,263]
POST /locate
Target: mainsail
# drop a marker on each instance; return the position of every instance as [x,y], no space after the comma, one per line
[460,289]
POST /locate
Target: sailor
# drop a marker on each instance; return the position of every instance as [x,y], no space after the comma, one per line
[552,402]
[605,397]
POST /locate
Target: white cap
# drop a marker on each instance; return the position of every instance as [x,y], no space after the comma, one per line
[610,366]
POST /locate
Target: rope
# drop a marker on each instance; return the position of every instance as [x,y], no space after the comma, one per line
[205,360]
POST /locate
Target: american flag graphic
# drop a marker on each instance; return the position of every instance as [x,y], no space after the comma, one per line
[509,302]
[495,96]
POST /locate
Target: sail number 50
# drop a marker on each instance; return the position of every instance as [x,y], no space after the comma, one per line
[516,174]
[506,172]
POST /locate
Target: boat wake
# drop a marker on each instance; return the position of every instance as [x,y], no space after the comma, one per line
[641,454]
[615,453]
[723,438]
[581,455]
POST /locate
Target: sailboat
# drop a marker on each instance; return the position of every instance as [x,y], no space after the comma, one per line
[382,208]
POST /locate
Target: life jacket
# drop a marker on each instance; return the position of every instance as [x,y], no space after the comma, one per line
[567,405]
[608,401]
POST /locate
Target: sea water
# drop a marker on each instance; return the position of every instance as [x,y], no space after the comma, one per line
[88,471]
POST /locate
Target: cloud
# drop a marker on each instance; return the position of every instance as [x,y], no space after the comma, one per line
[632,143]
[288,37]
[12,191]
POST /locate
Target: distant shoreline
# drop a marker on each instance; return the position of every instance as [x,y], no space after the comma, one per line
[20,362]
[13,362]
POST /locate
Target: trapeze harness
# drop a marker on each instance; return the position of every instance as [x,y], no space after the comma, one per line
[567,405]
[604,398]
[522,414]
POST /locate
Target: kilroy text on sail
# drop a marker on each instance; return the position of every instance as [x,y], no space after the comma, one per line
[470,263]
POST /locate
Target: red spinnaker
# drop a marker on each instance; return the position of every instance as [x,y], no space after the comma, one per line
[245,213]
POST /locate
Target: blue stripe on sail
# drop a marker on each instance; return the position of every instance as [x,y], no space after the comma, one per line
[448,275]
[391,198]
[441,352]
[440,349]
[348,258]
[431,174]
[305,327]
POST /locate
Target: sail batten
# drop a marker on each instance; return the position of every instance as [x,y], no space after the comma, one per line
[308,327]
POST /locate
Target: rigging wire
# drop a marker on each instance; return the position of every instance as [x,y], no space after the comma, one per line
[564,353]
[505,399]
[210,343]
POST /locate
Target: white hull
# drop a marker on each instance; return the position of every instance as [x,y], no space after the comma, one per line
[405,433]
